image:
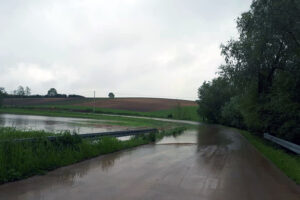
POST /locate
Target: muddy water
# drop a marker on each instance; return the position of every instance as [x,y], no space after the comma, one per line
[212,163]
[188,137]
[56,124]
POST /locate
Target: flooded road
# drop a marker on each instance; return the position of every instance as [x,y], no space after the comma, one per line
[56,124]
[157,119]
[213,163]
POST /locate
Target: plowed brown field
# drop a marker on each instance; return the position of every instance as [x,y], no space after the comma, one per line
[132,104]
[42,101]
[138,104]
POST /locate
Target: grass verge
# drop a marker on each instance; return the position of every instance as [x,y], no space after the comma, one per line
[287,162]
[179,112]
[23,159]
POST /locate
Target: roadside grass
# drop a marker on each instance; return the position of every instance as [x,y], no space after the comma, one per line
[7,133]
[22,159]
[182,113]
[179,112]
[289,163]
[116,120]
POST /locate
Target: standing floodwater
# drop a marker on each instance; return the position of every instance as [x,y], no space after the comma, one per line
[213,163]
[56,124]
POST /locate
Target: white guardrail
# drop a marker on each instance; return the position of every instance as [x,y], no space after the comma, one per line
[291,146]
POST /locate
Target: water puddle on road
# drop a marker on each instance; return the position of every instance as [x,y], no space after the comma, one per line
[187,137]
[202,137]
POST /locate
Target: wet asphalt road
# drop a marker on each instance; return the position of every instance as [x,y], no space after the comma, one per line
[213,163]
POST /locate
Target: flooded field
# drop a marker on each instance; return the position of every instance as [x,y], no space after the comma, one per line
[56,124]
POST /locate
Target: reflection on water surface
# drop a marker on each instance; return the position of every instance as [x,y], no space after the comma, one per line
[56,124]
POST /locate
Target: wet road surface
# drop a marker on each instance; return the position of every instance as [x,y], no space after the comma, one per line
[214,163]
[157,119]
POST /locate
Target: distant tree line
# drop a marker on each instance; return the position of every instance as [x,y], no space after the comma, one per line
[25,92]
[259,86]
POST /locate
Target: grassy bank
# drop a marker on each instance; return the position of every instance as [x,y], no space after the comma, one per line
[23,159]
[180,112]
[287,162]
[116,120]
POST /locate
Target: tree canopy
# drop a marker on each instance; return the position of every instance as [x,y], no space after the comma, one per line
[52,92]
[3,93]
[111,95]
[259,85]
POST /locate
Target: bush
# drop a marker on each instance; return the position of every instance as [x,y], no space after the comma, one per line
[231,114]
[290,130]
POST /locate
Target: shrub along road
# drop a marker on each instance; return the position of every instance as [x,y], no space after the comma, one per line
[212,163]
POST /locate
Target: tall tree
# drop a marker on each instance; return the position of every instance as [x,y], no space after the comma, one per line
[52,92]
[27,91]
[263,71]
[268,44]
[3,93]
[111,95]
[20,91]
[213,96]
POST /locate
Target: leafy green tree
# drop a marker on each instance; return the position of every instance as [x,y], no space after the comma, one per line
[231,113]
[27,91]
[3,93]
[266,57]
[111,95]
[20,91]
[52,92]
[268,43]
[213,95]
[262,71]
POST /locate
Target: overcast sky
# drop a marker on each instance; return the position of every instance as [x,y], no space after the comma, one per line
[149,48]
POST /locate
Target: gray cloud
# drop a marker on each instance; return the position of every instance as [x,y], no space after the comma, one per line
[133,47]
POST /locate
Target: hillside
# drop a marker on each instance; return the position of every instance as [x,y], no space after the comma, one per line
[132,104]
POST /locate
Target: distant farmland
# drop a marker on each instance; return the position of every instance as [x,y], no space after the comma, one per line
[131,104]
[42,101]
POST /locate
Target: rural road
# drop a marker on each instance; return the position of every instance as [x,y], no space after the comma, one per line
[157,119]
[213,163]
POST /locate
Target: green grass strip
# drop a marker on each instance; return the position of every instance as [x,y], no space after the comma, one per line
[289,163]
[182,112]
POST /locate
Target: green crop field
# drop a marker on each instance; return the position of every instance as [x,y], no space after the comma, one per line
[181,113]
